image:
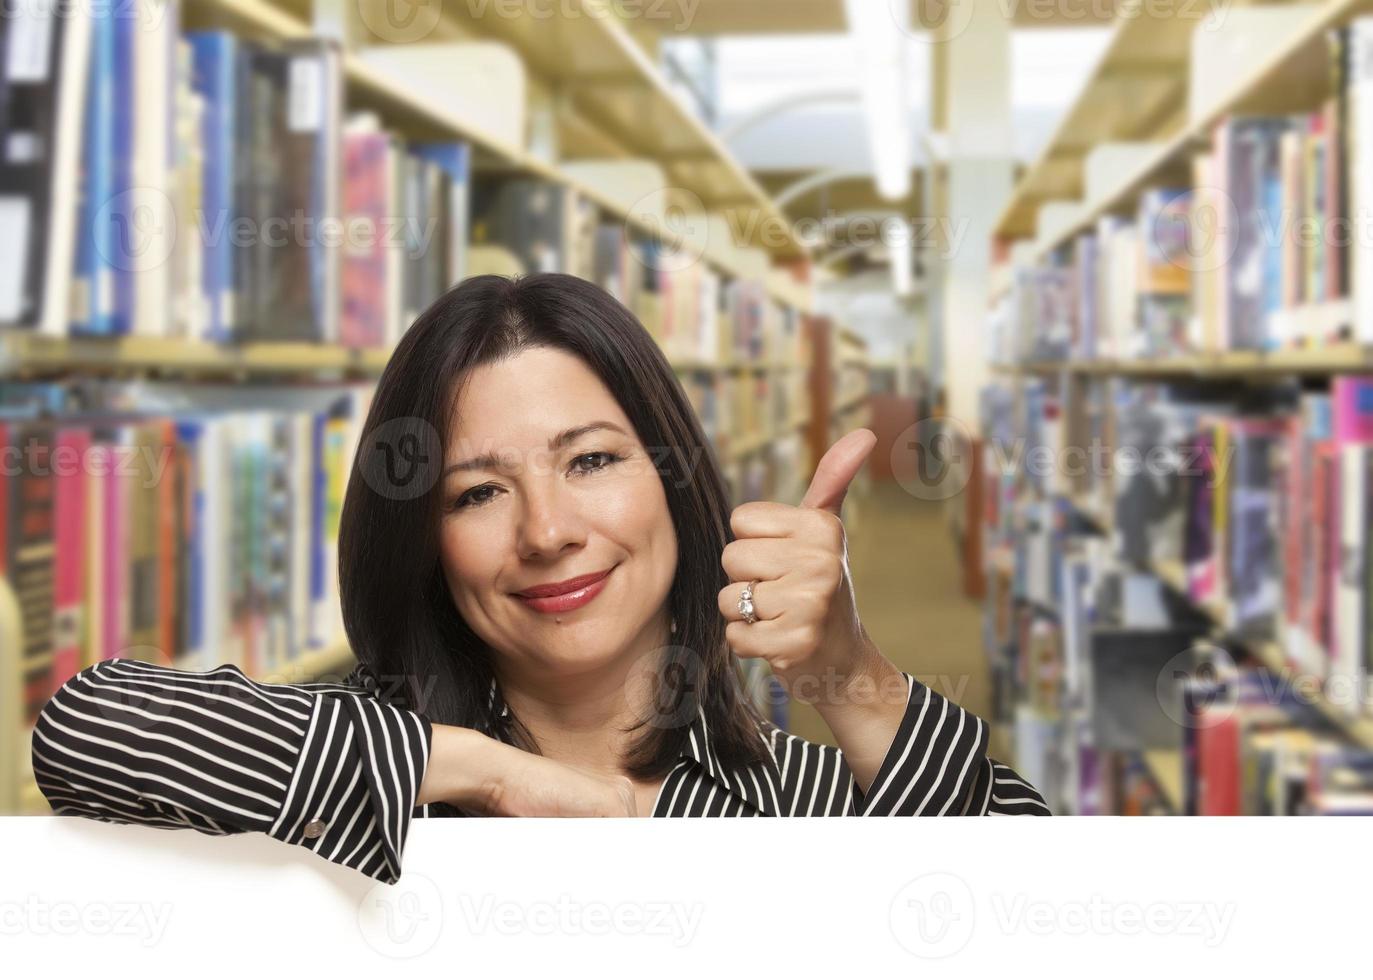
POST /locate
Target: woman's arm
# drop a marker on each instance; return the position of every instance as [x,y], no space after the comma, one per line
[329,767]
[919,754]
[323,766]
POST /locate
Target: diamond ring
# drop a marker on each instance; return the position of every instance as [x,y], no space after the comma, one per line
[746,604]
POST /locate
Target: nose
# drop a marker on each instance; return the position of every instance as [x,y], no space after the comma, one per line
[550,521]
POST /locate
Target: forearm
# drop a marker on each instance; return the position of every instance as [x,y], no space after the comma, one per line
[324,766]
[865,714]
[463,767]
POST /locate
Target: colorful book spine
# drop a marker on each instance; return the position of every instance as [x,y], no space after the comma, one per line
[216,59]
[368,283]
[1352,405]
[71,460]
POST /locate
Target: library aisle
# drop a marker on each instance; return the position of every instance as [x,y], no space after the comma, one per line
[1097,274]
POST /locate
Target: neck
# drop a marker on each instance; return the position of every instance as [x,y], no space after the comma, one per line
[582,718]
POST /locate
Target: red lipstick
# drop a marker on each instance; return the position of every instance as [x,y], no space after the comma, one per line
[573,593]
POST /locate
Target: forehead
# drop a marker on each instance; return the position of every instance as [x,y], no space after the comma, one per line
[530,396]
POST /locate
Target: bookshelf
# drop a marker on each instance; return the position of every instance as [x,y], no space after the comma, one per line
[1279,82]
[622,101]
[840,381]
[372,88]
[1270,653]
[1132,91]
[1081,368]
[1339,358]
[671,148]
[24,356]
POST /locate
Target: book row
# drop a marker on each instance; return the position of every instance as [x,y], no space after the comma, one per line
[1131,528]
[1268,247]
[211,187]
[737,408]
[1121,701]
[188,538]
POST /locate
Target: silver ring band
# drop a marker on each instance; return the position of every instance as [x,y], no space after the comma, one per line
[746,604]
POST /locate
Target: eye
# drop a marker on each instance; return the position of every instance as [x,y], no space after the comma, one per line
[472,498]
[601,459]
[584,464]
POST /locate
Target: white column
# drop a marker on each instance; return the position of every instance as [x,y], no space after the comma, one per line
[975,92]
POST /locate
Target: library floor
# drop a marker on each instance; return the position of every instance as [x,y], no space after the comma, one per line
[908,581]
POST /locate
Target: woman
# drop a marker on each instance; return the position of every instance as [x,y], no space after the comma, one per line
[545,590]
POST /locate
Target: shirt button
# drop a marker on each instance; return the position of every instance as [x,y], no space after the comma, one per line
[315,828]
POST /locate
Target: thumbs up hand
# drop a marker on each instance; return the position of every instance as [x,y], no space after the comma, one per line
[807,625]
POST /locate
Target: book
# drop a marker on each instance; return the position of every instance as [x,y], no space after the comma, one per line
[30,551]
[45,53]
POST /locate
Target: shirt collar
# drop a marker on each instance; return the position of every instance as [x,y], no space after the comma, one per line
[757,783]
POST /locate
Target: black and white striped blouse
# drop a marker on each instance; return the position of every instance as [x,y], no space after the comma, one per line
[336,767]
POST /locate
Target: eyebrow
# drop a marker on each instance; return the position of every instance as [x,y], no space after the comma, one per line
[492,461]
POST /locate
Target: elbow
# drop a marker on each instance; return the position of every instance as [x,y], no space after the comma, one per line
[53,749]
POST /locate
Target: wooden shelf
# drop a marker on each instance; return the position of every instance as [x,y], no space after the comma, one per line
[1226,365]
[850,402]
[1165,766]
[749,445]
[1263,83]
[608,78]
[739,448]
[1084,506]
[28,354]
[334,660]
[1270,653]
[702,161]
[1358,727]
[1129,95]
[22,354]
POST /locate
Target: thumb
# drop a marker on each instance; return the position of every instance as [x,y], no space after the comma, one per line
[836,471]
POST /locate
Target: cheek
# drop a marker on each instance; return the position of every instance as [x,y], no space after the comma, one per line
[467,560]
[640,519]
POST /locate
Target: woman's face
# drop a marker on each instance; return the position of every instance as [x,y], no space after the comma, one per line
[545,480]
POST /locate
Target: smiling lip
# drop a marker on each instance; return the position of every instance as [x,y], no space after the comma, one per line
[567,595]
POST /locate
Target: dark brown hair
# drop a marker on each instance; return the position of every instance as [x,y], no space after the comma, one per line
[397,610]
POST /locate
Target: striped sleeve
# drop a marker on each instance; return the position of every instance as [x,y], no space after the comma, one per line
[936,765]
[327,767]
[1000,791]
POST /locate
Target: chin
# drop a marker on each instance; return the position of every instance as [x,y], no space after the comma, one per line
[573,647]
